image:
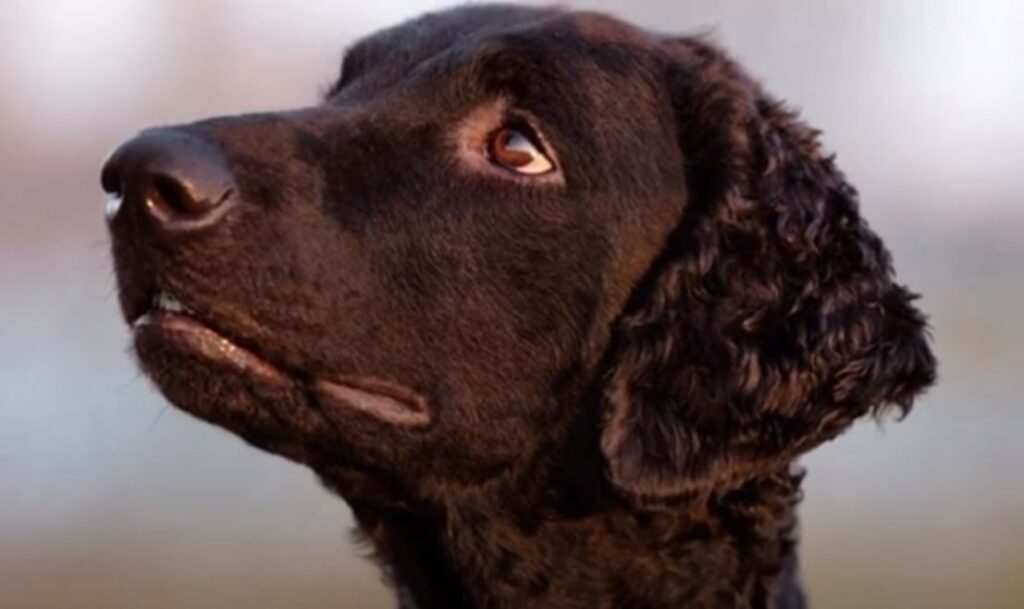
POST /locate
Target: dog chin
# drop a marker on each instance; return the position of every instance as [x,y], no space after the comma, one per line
[208,375]
[218,383]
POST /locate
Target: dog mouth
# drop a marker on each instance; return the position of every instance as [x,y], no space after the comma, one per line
[173,325]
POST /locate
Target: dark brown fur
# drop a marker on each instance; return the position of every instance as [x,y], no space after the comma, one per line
[622,366]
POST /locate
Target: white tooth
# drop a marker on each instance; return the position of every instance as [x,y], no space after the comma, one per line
[166,302]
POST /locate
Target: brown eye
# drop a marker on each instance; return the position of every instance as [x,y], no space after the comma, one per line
[514,148]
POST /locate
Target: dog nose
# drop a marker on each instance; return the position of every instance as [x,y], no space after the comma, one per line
[177,179]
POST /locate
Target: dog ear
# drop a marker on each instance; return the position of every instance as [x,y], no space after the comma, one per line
[771,321]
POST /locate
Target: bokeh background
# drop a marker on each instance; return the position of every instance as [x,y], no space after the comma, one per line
[110,499]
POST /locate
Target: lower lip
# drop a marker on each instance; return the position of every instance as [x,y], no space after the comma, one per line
[383,400]
[208,344]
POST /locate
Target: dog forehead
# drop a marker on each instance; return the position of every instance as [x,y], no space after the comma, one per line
[479,29]
[432,33]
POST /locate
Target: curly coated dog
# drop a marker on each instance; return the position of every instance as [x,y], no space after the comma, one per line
[553,302]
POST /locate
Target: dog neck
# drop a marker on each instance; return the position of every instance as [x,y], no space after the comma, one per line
[574,548]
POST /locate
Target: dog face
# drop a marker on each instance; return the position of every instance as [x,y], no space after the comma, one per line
[495,215]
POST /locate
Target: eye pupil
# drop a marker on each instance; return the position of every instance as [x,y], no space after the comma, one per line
[513,149]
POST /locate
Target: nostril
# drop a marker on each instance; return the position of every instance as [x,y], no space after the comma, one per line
[167,192]
[172,194]
[170,199]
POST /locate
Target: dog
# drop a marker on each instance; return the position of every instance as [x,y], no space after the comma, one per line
[552,301]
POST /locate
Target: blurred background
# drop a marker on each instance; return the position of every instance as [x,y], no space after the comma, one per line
[110,499]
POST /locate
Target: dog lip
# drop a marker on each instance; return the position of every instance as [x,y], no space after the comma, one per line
[193,335]
[387,401]
[390,402]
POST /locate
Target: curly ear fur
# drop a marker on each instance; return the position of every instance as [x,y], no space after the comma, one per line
[772,319]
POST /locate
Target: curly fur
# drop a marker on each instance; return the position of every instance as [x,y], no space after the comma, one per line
[772,320]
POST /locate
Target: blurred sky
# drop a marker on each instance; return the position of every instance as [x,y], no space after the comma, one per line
[109,499]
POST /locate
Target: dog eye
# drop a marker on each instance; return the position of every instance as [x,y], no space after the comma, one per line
[516,149]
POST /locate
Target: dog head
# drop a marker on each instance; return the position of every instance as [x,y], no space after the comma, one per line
[495,215]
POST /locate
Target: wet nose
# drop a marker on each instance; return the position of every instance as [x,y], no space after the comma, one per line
[178,180]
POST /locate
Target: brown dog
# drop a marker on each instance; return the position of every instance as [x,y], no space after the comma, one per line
[553,302]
